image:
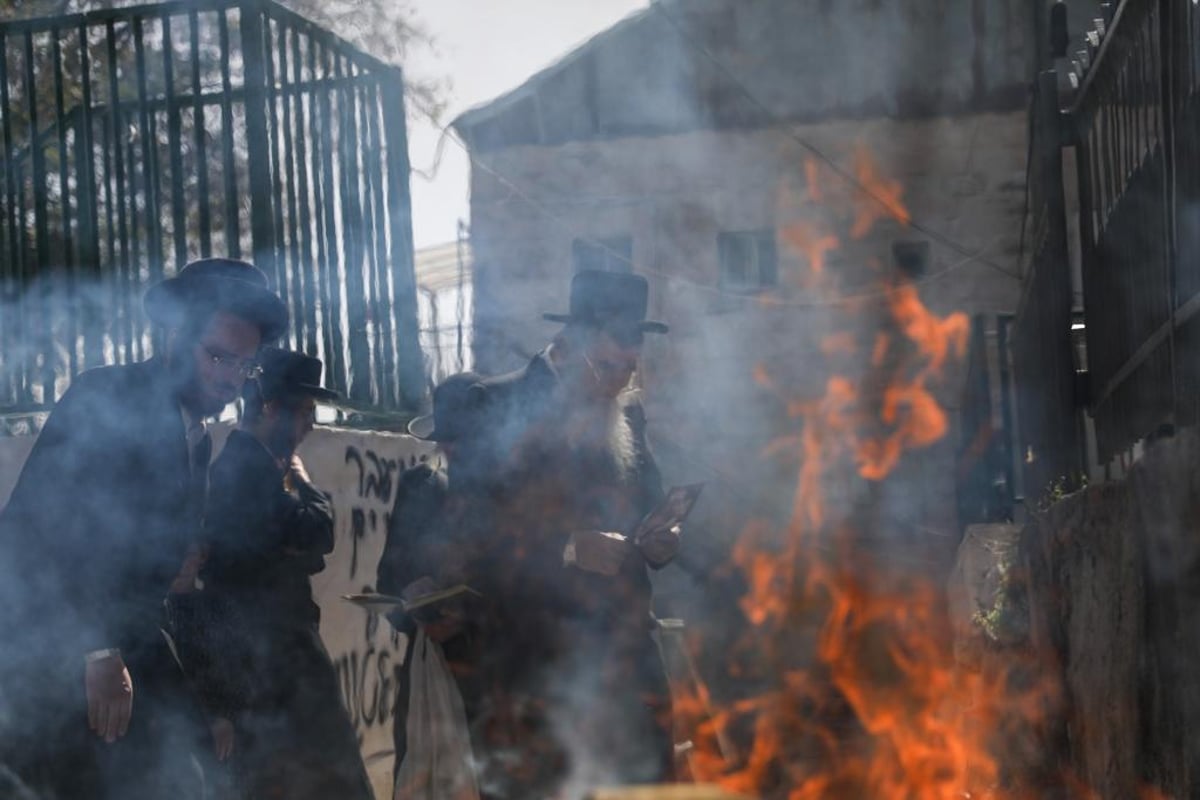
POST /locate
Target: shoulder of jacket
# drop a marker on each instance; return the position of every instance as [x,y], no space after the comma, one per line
[108,378]
[111,398]
[500,385]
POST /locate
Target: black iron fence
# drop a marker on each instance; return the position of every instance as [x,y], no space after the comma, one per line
[1134,124]
[1048,408]
[137,139]
[1121,124]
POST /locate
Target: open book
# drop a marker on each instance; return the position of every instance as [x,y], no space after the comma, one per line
[387,603]
[672,511]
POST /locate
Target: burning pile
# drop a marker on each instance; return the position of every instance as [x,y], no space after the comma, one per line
[856,693]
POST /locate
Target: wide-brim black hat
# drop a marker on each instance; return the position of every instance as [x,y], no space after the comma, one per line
[610,299]
[286,373]
[456,405]
[218,284]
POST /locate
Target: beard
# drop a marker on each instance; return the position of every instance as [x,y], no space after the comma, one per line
[602,427]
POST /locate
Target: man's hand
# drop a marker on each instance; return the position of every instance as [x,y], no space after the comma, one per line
[660,545]
[597,551]
[185,581]
[109,697]
[297,469]
[222,733]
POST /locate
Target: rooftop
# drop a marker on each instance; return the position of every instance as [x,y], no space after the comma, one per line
[685,65]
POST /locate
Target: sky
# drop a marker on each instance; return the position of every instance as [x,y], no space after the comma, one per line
[485,48]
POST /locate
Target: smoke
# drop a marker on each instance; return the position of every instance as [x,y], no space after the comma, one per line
[760,253]
[706,180]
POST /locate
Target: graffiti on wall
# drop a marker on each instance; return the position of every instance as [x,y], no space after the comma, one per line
[361,471]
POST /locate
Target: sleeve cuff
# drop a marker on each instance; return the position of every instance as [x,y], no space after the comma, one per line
[98,655]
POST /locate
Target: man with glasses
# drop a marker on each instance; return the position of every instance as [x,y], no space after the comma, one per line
[260,666]
[100,520]
[580,684]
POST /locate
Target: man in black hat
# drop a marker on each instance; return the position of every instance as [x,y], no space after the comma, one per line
[270,682]
[579,682]
[429,540]
[98,525]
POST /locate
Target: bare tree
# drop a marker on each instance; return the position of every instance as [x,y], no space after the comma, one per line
[386,29]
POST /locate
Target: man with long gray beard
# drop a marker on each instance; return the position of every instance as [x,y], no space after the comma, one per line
[98,525]
[579,695]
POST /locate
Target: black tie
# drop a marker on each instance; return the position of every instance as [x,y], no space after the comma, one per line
[201,453]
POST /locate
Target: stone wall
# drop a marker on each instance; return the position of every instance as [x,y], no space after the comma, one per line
[1114,586]
[360,470]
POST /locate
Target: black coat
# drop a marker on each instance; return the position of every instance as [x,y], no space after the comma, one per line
[97,527]
[565,644]
[433,532]
[257,656]
[411,550]
[264,542]
[102,516]
[546,489]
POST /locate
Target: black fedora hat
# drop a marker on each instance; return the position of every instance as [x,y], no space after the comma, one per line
[456,401]
[610,299]
[220,284]
[286,373]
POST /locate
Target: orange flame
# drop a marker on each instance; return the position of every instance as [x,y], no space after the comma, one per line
[805,238]
[812,175]
[882,199]
[882,711]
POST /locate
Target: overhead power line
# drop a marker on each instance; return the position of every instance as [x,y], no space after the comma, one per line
[815,151]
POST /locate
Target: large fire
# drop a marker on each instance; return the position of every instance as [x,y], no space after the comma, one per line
[857,693]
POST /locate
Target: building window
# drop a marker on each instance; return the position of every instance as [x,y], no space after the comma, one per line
[748,260]
[610,254]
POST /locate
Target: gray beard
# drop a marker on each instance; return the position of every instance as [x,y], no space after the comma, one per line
[603,428]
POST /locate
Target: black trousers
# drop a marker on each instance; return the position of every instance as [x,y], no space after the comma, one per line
[295,739]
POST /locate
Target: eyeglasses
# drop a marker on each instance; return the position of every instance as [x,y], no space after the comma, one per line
[246,368]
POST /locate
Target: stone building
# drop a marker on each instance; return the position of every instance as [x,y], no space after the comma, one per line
[686,142]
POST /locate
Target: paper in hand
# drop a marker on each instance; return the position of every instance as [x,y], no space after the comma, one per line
[386,603]
[672,511]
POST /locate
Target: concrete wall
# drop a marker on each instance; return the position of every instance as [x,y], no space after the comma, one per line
[359,469]
[1113,573]
[962,176]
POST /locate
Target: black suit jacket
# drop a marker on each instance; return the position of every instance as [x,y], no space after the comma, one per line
[238,636]
[563,643]
[101,516]
[546,490]
[264,541]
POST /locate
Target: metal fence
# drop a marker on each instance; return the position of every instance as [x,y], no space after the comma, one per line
[1044,368]
[137,139]
[1120,125]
